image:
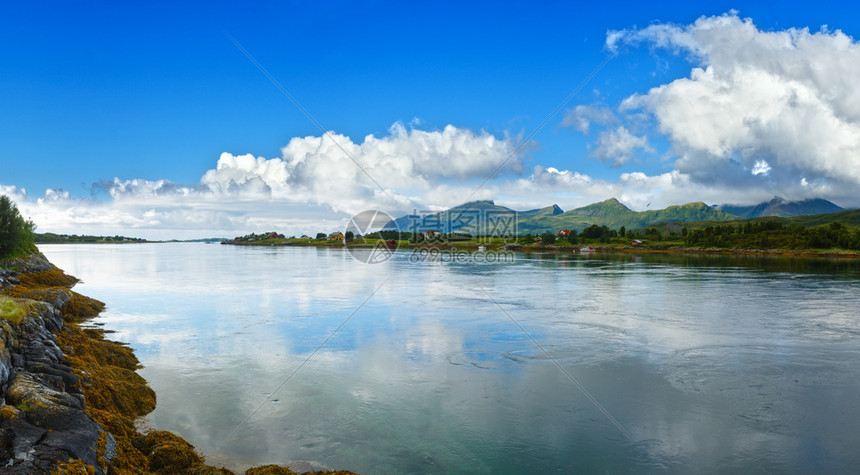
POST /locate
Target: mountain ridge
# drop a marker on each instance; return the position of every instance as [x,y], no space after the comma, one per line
[477,217]
[780,207]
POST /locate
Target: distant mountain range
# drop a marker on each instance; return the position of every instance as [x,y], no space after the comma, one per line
[486,217]
[782,208]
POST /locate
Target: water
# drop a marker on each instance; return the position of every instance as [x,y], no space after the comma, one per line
[707,362]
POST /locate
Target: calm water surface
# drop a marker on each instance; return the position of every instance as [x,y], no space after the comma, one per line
[707,362]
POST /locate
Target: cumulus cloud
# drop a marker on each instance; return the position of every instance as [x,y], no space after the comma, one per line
[581,117]
[618,146]
[760,108]
[322,179]
[760,167]
[380,171]
[760,113]
[638,190]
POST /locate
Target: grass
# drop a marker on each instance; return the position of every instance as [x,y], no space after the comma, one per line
[11,310]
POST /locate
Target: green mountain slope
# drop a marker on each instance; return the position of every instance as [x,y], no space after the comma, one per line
[477,217]
[547,211]
[850,218]
[780,207]
[614,214]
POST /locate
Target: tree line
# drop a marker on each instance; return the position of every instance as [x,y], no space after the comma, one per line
[773,234]
[16,233]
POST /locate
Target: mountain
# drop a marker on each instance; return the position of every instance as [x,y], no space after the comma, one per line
[611,208]
[782,208]
[548,211]
[613,214]
[486,217]
[464,218]
[849,218]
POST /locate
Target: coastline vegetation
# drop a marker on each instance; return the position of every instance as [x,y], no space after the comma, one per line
[52,238]
[16,233]
[116,395]
[11,310]
[816,234]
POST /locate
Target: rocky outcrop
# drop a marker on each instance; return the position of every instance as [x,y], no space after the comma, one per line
[43,421]
[69,396]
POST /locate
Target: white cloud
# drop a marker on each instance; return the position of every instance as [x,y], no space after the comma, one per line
[407,162]
[761,113]
[639,191]
[313,186]
[760,167]
[788,99]
[618,146]
[581,117]
[57,194]
[13,192]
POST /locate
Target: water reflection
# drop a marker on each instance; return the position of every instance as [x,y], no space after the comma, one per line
[745,362]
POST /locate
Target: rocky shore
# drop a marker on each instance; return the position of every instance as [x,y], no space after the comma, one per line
[69,395]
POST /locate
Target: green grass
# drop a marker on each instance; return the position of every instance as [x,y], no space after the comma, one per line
[11,310]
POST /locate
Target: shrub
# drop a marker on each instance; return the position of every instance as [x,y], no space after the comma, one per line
[547,238]
[11,310]
[16,233]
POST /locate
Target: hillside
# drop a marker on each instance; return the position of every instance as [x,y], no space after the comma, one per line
[613,214]
[849,218]
[782,208]
[548,211]
[470,217]
[457,219]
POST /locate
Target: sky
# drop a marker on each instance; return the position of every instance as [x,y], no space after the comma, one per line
[147,119]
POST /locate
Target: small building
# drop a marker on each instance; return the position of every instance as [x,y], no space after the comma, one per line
[636,242]
[336,236]
[564,233]
[432,234]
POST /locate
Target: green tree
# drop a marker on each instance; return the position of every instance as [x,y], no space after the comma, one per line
[622,232]
[321,236]
[16,233]
[571,238]
[547,238]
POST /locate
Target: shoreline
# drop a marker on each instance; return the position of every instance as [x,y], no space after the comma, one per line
[572,249]
[70,396]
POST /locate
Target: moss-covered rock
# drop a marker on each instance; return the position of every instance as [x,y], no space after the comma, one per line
[269,470]
[73,396]
[167,452]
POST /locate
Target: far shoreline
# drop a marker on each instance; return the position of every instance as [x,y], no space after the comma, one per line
[576,249]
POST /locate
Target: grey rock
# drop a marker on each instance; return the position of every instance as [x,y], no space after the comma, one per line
[44,422]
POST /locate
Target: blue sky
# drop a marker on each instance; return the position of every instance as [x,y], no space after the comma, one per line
[146,97]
